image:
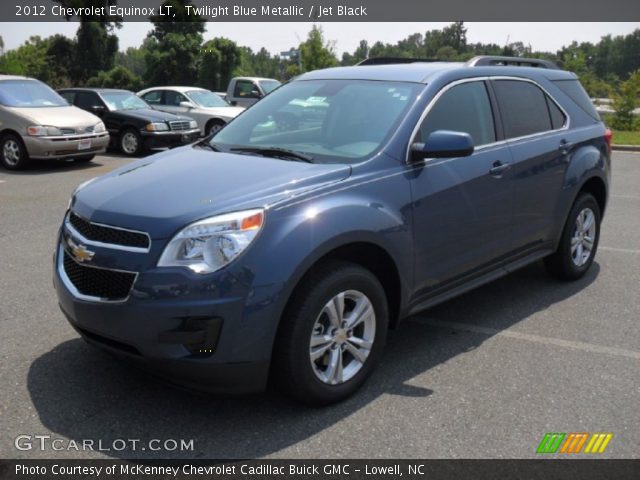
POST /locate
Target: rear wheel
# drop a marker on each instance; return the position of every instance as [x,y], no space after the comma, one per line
[579,241]
[130,142]
[13,153]
[332,334]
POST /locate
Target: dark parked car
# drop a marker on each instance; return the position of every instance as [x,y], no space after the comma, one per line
[133,125]
[287,253]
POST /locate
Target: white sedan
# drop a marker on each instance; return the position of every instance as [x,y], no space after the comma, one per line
[205,107]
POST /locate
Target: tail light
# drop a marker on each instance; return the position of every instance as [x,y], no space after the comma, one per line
[608,137]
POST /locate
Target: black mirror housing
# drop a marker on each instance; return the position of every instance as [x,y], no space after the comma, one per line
[443,144]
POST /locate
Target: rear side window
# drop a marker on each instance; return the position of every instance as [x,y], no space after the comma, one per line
[462,108]
[557,117]
[87,100]
[524,108]
[574,90]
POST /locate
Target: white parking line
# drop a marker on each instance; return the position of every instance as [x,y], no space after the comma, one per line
[621,250]
[585,347]
[632,197]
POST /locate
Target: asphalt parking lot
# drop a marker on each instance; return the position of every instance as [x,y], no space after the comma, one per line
[482,376]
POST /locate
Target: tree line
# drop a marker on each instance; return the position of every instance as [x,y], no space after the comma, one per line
[174,52]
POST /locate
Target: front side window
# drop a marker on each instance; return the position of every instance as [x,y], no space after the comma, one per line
[29,94]
[524,108]
[87,100]
[173,98]
[123,101]
[245,89]
[462,108]
[330,120]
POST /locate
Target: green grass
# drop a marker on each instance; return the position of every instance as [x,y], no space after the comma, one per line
[621,137]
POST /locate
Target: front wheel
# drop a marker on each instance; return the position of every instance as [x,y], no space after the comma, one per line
[13,153]
[332,334]
[213,127]
[131,142]
[579,241]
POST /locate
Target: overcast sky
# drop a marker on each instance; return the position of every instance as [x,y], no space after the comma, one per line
[277,37]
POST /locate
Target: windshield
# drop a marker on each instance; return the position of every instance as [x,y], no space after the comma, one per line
[123,101]
[329,120]
[29,93]
[207,99]
[269,85]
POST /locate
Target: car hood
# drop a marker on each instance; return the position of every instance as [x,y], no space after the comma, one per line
[227,112]
[163,193]
[72,117]
[151,115]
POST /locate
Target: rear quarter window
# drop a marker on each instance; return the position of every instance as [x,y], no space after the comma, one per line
[577,93]
[523,106]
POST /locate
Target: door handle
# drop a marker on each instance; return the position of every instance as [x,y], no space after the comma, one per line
[499,168]
[564,146]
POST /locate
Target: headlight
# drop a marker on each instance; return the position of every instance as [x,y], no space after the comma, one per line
[41,131]
[210,244]
[99,128]
[193,124]
[157,127]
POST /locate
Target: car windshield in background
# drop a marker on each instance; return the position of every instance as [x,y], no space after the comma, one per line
[328,120]
[269,85]
[123,101]
[207,99]
[30,94]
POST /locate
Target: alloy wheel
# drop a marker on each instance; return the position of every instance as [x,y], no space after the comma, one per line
[11,152]
[583,238]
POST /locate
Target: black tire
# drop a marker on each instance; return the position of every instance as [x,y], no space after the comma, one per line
[562,263]
[130,142]
[292,369]
[84,159]
[13,154]
[214,126]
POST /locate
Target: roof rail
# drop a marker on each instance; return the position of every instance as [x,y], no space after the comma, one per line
[494,60]
[393,60]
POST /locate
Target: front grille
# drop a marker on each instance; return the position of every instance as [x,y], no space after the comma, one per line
[101,233]
[98,282]
[68,131]
[179,125]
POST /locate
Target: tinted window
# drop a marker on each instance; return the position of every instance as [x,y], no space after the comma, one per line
[574,90]
[153,98]
[244,88]
[173,99]
[463,108]
[86,100]
[68,96]
[523,106]
[557,117]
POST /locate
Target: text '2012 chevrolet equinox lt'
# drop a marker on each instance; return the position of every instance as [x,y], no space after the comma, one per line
[284,247]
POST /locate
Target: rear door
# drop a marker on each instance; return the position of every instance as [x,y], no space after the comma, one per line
[462,206]
[535,127]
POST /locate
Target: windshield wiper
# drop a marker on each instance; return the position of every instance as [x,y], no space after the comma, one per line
[276,152]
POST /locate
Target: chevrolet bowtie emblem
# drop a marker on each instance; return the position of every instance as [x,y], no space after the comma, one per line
[80,252]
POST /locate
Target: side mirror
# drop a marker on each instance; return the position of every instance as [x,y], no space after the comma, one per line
[443,144]
[256,93]
[187,105]
[98,109]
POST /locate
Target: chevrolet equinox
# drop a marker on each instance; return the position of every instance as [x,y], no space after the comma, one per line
[281,249]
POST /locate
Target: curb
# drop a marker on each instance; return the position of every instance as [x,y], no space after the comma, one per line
[626,148]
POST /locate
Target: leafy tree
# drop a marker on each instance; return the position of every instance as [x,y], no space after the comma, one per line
[133,58]
[220,57]
[117,77]
[29,59]
[173,54]
[315,52]
[625,101]
[1,46]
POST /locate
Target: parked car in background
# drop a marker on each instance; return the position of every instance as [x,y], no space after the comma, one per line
[133,125]
[245,91]
[205,107]
[36,122]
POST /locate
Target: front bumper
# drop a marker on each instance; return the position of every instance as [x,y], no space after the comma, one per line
[170,138]
[63,147]
[209,332]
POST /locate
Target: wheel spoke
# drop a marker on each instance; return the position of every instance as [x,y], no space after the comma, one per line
[360,342]
[588,221]
[333,373]
[320,351]
[358,354]
[360,313]
[335,310]
[588,243]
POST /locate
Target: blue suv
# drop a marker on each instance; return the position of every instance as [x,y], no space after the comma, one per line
[285,246]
